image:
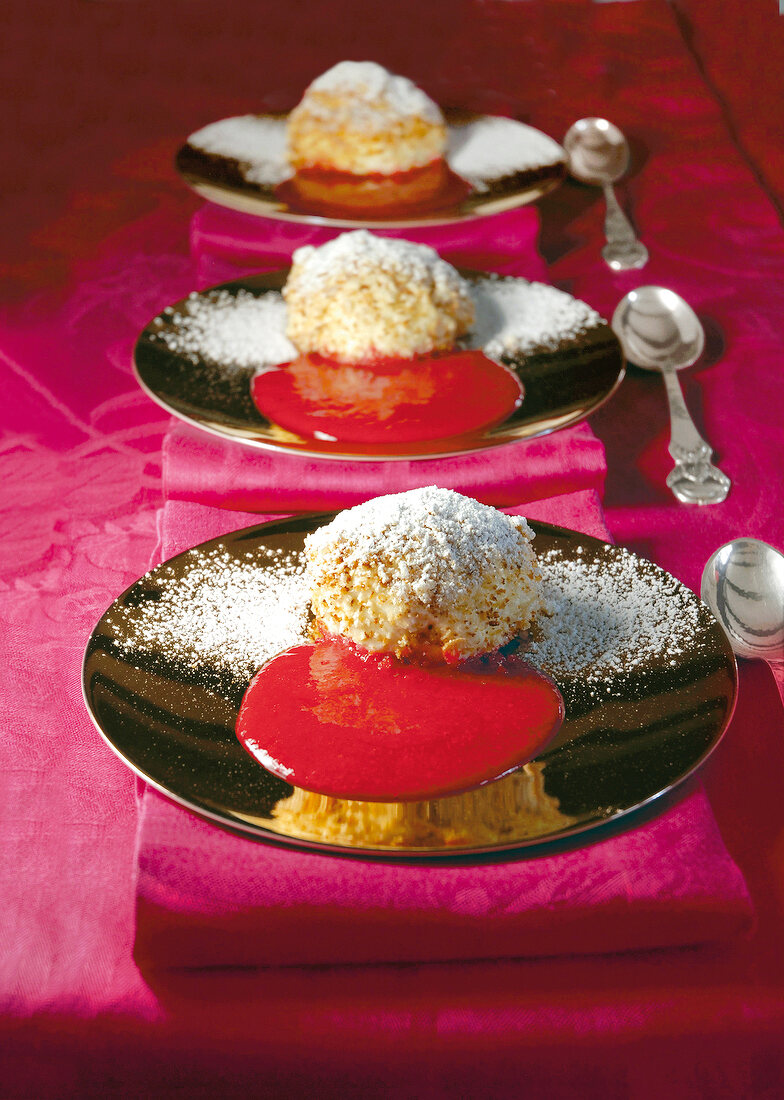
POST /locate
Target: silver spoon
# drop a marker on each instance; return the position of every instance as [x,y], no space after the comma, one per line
[743,585]
[659,331]
[598,153]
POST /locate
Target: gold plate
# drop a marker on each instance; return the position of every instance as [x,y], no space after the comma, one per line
[221,179]
[631,733]
[562,387]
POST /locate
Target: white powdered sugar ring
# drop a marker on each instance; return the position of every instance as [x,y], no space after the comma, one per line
[256,141]
[219,615]
[490,148]
[515,317]
[234,330]
[613,615]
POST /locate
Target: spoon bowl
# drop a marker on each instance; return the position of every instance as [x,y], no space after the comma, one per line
[659,331]
[743,585]
[597,153]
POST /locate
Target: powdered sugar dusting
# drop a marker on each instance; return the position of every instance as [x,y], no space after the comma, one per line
[372,93]
[437,539]
[257,141]
[354,254]
[222,616]
[482,151]
[490,148]
[612,614]
[237,329]
[514,316]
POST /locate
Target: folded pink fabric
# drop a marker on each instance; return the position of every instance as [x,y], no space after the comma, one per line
[209,470]
[206,897]
[225,242]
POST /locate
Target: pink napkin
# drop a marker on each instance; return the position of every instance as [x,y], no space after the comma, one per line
[225,242]
[206,897]
[210,470]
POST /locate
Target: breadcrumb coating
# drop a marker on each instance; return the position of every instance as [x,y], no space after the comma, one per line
[428,573]
[361,297]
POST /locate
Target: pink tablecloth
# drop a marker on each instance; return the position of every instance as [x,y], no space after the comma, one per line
[104,93]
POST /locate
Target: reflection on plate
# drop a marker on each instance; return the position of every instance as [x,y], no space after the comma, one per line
[562,384]
[240,163]
[647,675]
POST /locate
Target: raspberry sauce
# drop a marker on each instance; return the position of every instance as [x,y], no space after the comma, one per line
[337,721]
[417,192]
[389,400]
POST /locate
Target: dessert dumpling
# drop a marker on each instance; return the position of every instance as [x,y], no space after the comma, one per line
[428,574]
[379,132]
[360,298]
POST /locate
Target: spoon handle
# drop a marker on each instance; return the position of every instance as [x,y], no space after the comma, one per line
[623,251]
[694,479]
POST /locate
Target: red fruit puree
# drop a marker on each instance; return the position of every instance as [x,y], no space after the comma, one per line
[389,400]
[417,192]
[338,721]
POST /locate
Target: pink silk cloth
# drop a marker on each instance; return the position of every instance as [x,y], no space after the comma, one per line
[208,470]
[226,242]
[210,898]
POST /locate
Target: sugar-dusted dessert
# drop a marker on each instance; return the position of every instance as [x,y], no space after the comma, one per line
[358,117]
[360,297]
[379,346]
[362,136]
[378,326]
[428,572]
[406,693]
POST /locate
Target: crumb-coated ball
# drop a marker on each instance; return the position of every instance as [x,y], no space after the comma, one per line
[428,573]
[360,297]
[359,118]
